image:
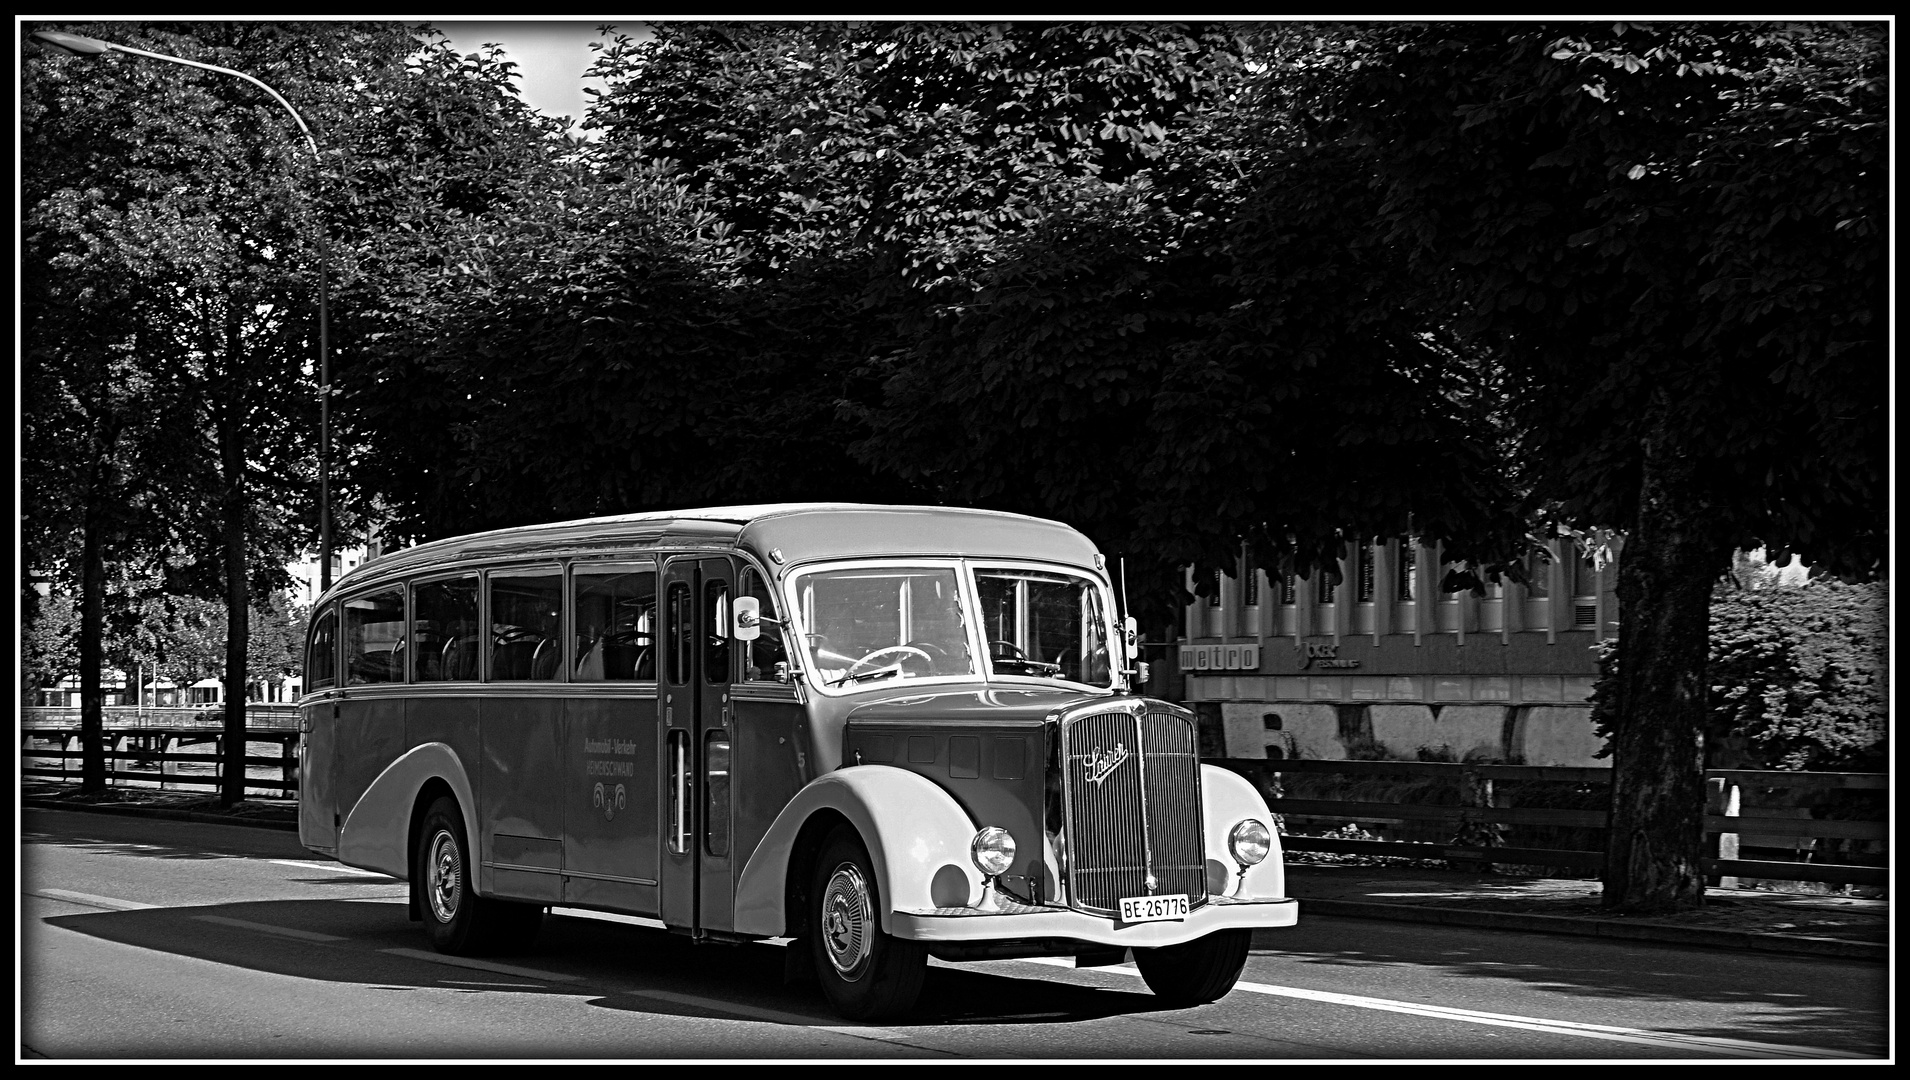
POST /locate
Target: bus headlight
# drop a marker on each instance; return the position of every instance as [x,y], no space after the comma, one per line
[993,851]
[1249,842]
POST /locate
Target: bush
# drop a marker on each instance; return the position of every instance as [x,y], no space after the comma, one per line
[1799,674]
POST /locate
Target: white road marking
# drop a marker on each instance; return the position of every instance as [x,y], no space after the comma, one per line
[1662,1039]
[334,868]
[479,965]
[88,899]
[268,928]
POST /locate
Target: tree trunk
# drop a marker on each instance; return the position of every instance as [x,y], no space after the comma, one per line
[1655,844]
[92,656]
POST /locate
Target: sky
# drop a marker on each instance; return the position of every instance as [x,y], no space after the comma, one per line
[551,55]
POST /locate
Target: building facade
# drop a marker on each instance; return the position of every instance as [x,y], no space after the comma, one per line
[1385,666]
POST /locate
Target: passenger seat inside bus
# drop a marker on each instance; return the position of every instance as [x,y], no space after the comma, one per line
[545,659]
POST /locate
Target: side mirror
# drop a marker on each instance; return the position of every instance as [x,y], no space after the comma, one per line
[748,618]
[1132,630]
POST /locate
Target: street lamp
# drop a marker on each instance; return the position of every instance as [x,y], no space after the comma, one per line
[86,46]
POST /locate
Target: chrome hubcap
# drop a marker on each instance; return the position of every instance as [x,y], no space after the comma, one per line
[444,873]
[847,921]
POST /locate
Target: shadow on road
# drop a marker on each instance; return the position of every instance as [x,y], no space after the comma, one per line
[611,965]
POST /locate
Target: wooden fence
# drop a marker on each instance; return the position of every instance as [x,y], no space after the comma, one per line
[1476,821]
[164,758]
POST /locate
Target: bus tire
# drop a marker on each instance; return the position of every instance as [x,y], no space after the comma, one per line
[865,973]
[458,920]
[1198,971]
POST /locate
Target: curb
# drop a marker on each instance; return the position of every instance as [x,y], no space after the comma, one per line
[161,812]
[1703,936]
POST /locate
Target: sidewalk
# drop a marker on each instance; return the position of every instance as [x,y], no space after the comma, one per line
[1753,919]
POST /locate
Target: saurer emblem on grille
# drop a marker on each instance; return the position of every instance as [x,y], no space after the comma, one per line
[1102,763]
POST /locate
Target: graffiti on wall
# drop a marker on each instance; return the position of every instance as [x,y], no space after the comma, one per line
[1400,731]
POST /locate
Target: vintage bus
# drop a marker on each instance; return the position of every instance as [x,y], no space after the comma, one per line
[883,732]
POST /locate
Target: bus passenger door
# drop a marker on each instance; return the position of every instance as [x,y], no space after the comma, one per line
[696,880]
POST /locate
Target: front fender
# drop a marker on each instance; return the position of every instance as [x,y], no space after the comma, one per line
[1229,797]
[376,834]
[917,837]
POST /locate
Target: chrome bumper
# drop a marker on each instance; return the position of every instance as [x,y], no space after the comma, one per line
[1016,921]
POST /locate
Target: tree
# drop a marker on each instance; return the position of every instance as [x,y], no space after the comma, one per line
[49,643]
[103,427]
[183,638]
[277,642]
[203,213]
[173,219]
[1670,238]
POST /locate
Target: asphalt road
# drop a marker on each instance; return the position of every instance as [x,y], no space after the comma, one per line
[168,940]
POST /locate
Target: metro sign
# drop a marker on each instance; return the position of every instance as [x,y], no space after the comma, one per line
[1220,658]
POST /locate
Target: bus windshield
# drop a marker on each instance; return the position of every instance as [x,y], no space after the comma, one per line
[886,622]
[898,622]
[1043,624]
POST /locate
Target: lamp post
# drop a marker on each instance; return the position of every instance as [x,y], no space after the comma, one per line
[86,46]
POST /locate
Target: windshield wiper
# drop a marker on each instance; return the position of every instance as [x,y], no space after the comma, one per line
[866,676]
[1042,668]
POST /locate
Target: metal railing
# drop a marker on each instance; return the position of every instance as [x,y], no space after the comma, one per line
[1477,821]
[257,715]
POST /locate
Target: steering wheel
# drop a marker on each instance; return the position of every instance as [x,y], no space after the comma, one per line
[886,650]
[1005,650]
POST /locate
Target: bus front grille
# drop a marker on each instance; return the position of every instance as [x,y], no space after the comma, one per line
[1132,785]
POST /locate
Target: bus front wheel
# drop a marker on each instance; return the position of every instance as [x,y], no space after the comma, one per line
[865,973]
[459,921]
[1198,971]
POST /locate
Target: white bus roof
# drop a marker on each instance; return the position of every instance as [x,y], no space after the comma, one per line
[786,534]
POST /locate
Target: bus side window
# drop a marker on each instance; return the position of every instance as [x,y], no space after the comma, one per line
[444,630]
[374,638]
[759,662]
[527,616]
[321,659]
[615,613]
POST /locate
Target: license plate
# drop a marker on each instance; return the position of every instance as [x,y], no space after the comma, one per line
[1153,908]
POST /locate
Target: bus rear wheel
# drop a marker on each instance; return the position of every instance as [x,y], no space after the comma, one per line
[458,920]
[865,973]
[1198,971]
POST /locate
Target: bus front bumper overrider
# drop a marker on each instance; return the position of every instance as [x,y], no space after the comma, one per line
[1021,921]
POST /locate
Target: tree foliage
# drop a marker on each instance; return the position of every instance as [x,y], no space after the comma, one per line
[1637,213]
[1035,224]
[1800,673]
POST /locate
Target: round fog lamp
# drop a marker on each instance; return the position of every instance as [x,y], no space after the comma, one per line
[1249,841]
[993,851]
